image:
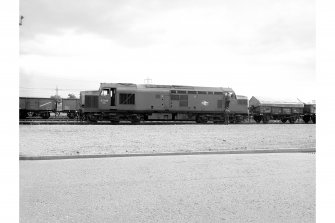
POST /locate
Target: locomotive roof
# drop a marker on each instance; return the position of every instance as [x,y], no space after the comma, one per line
[278,102]
[166,87]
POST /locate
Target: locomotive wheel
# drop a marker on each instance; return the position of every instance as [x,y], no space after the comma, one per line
[306,118]
[135,120]
[314,119]
[92,118]
[83,117]
[284,120]
[201,119]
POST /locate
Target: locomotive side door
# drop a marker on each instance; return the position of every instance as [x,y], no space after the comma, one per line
[105,98]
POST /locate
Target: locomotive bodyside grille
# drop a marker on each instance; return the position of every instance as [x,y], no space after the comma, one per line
[91,101]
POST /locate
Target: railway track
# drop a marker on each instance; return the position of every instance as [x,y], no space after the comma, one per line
[67,121]
[78,122]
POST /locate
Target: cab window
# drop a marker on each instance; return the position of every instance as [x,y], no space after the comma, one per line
[105,92]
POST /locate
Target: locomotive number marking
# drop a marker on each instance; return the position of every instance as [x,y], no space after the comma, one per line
[104,101]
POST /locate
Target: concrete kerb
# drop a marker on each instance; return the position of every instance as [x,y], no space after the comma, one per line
[57,157]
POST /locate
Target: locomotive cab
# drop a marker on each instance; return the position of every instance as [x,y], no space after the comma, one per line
[107,98]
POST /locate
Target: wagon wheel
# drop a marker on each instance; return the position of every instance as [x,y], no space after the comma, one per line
[306,118]
[23,115]
[292,120]
[45,115]
[257,119]
[266,119]
[284,120]
[71,115]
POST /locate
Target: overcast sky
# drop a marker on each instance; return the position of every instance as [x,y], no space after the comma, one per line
[259,47]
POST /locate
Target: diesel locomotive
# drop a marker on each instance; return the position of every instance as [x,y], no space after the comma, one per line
[125,101]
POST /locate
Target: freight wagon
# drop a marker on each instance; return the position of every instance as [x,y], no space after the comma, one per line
[70,106]
[42,107]
[36,107]
[123,101]
[266,109]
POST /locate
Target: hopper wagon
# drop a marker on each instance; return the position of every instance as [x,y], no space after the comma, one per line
[265,109]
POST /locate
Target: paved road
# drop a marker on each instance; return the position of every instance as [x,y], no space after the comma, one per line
[204,188]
